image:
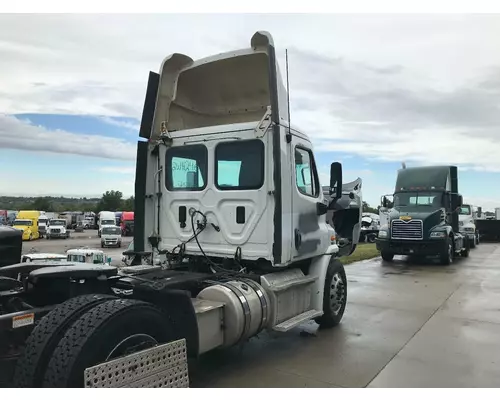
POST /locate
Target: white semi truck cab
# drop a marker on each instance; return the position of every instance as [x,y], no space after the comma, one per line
[106,218]
[228,196]
[467,224]
[57,229]
[229,187]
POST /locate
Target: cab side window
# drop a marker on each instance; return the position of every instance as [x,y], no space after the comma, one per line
[305,173]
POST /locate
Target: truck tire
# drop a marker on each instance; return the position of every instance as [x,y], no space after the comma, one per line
[30,368]
[371,238]
[446,257]
[473,242]
[110,330]
[334,295]
[467,246]
[386,256]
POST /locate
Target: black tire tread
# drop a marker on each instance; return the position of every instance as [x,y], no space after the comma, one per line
[327,320]
[76,336]
[443,257]
[386,256]
[47,334]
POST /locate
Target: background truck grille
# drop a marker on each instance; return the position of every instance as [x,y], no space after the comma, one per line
[55,231]
[406,230]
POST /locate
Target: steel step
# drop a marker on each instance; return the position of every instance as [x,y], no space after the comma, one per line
[297,320]
[303,280]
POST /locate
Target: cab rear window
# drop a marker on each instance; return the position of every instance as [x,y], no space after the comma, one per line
[239,165]
[186,168]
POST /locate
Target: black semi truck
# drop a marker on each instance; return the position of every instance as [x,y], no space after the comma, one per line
[422,218]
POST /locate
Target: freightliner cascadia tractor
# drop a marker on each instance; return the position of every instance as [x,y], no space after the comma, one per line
[422,218]
[228,197]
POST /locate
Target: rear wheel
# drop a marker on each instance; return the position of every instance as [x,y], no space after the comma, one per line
[386,256]
[334,295]
[112,329]
[30,368]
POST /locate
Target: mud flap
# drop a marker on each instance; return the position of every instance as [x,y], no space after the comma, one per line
[162,366]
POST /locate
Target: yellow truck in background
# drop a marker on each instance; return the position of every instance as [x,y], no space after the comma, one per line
[27,221]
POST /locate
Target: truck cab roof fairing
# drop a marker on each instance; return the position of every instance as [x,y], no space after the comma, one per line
[227,88]
[423,178]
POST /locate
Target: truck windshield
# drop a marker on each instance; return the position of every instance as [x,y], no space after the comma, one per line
[23,222]
[108,222]
[57,222]
[465,210]
[76,258]
[418,199]
[111,231]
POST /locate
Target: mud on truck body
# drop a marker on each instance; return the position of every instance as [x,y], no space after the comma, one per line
[422,218]
[228,195]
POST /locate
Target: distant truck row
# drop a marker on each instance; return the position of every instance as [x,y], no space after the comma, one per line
[39,224]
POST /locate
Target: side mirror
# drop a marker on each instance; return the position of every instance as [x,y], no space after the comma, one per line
[109,260]
[384,202]
[336,181]
[456,201]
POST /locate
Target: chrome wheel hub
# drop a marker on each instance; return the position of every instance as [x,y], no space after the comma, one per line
[337,293]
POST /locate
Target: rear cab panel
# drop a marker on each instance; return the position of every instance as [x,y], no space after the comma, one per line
[219,142]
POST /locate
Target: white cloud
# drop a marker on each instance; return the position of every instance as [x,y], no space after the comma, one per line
[117,170]
[21,135]
[421,89]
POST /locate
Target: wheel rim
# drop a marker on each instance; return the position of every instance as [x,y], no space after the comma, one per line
[132,344]
[337,293]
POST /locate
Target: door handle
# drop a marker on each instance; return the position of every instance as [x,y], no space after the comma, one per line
[298,239]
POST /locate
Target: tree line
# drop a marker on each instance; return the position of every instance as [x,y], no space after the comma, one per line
[111,200]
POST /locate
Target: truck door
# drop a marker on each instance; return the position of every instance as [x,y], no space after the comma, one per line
[310,235]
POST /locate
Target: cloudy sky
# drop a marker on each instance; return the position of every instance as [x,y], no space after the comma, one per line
[371,91]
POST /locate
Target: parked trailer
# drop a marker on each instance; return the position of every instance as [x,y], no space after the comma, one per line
[489,229]
[229,261]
